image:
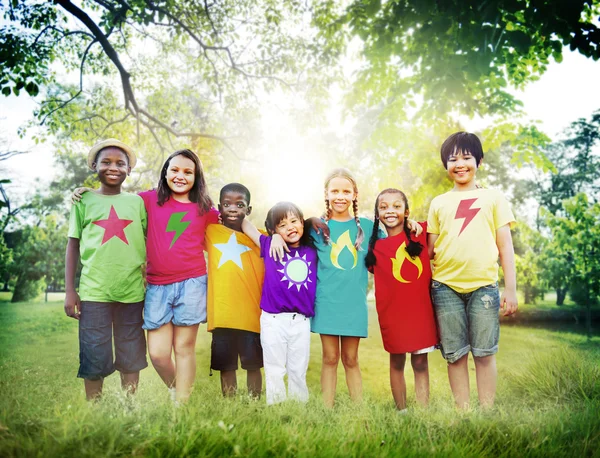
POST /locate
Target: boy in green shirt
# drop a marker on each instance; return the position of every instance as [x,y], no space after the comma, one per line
[106,229]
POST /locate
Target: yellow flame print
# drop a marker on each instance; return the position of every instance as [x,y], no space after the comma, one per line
[401,256]
[342,242]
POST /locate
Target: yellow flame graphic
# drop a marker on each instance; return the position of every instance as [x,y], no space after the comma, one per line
[342,242]
[401,256]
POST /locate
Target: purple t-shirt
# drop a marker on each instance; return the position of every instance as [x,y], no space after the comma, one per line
[290,285]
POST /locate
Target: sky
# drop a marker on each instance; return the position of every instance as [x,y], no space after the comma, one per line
[566,92]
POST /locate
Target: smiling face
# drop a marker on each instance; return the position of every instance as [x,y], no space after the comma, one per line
[112,167]
[180,177]
[340,193]
[392,212]
[234,208]
[462,168]
[291,229]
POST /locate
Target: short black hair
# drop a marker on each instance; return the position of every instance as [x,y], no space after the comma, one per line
[235,187]
[280,211]
[461,142]
[111,146]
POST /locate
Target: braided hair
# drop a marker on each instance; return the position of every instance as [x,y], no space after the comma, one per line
[413,249]
[345,173]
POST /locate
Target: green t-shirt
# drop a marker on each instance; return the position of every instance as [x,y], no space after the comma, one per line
[111,231]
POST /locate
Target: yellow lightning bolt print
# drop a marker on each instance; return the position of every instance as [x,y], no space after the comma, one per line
[401,256]
[342,242]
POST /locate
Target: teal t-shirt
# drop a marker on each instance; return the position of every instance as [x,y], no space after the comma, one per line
[112,246]
[341,302]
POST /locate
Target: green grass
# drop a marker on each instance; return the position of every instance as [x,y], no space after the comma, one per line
[548,404]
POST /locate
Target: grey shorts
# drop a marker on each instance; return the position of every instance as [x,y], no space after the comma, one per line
[467,321]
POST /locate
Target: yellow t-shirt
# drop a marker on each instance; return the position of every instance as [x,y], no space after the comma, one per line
[465,253]
[235,277]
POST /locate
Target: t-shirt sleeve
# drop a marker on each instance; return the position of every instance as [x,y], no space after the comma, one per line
[76,221]
[265,246]
[143,216]
[433,224]
[212,217]
[503,215]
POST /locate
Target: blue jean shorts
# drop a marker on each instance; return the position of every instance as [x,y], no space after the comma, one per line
[467,321]
[183,303]
[99,322]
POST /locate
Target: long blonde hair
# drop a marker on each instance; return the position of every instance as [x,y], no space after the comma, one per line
[345,173]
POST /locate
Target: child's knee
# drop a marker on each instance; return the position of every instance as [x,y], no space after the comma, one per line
[331,358]
[397,362]
[419,363]
[484,361]
[349,361]
[160,358]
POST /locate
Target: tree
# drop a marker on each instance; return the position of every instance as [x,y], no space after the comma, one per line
[460,56]
[221,52]
[579,232]
[529,245]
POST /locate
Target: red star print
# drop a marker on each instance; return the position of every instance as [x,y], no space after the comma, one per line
[113,226]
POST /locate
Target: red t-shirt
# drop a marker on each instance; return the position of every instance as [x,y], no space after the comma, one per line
[402,295]
[175,239]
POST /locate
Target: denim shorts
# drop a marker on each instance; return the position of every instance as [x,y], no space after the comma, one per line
[228,344]
[97,324]
[183,303]
[467,321]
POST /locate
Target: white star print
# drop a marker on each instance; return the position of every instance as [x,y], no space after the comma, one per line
[231,251]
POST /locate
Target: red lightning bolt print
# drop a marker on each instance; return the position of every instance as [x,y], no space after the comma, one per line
[465,211]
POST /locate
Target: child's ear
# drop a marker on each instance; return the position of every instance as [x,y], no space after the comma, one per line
[220,208]
[480,163]
[406,213]
[249,210]
[128,170]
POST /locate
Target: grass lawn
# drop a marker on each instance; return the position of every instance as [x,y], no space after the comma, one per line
[548,403]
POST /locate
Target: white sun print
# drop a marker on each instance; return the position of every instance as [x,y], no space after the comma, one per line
[296,271]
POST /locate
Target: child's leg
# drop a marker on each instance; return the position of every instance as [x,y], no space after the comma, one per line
[298,355]
[420,367]
[93,388]
[254,383]
[487,375]
[397,381]
[458,374]
[484,329]
[184,343]
[130,343]
[350,362]
[160,346]
[274,345]
[251,356]
[228,383]
[331,358]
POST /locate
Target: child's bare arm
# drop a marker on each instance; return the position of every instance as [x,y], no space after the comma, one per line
[72,301]
[250,230]
[508,300]
[414,226]
[431,238]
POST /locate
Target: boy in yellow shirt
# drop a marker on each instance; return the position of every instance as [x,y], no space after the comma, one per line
[235,277]
[468,228]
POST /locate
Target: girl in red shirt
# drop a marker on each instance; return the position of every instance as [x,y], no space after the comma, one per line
[402,279]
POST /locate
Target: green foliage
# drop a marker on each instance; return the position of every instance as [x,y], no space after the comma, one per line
[38,255]
[460,56]
[528,262]
[578,231]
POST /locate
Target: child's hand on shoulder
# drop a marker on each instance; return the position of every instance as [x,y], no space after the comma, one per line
[319,226]
[78,194]
[73,305]
[278,247]
[414,227]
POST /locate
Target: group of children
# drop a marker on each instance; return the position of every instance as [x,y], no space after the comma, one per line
[263,293]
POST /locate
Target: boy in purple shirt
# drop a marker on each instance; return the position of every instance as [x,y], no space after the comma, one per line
[287,302]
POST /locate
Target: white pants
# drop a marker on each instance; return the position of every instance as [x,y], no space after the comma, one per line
[285,340]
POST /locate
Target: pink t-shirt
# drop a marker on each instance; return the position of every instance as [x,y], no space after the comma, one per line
[175,239]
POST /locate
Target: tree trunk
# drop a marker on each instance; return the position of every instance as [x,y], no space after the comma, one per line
[588,320]
[561,294]
[20,293]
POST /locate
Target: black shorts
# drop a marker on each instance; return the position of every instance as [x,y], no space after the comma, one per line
[98,323]
[228,344]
